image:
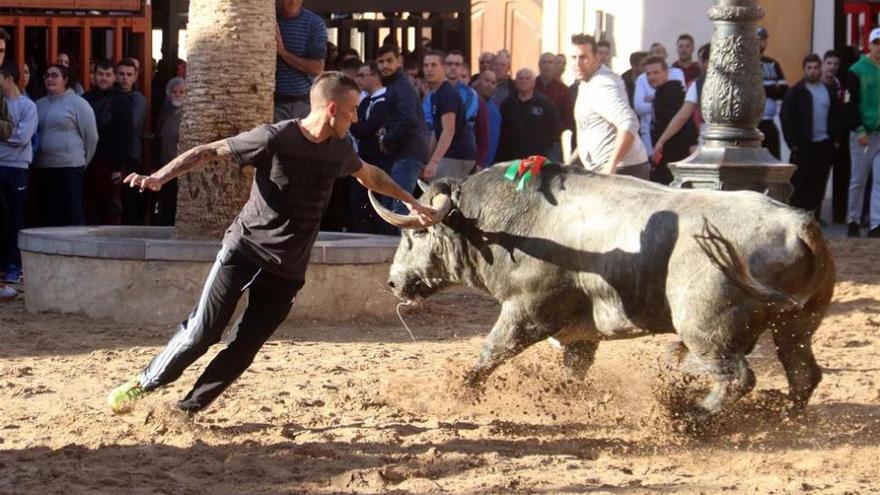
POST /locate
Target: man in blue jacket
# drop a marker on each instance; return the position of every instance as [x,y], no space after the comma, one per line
[404,136]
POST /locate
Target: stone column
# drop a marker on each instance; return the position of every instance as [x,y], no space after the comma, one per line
[731,157]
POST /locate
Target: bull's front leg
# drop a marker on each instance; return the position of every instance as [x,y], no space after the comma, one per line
[514,332]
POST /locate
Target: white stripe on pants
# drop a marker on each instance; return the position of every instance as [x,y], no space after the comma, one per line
[864,160]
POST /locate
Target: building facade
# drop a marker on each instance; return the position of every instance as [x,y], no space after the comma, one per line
[530,27]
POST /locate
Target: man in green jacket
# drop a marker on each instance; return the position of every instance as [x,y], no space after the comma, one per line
[863,116]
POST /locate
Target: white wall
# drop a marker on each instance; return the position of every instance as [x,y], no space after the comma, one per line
[663,23]
[635,24]
[823,26]
[563,18]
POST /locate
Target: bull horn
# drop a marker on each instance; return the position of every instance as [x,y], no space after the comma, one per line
[424,186]
[441,203]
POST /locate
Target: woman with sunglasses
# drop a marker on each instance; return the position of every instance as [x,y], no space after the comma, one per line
[68,138]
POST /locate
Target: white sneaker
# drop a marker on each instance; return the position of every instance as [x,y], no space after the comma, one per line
[7,294]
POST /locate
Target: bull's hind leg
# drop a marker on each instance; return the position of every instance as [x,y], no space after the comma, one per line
[513,333]
[792,334]
[732,378]
[726,364]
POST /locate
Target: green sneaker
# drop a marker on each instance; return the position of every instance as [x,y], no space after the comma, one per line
[121,398]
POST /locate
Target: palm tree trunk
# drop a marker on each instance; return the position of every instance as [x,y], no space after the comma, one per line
[229,88]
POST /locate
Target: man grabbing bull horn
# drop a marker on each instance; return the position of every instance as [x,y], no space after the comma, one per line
[267,248]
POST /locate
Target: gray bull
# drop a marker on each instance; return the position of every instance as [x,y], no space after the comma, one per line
[587,258]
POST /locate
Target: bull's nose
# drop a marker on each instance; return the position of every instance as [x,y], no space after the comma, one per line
[390,284]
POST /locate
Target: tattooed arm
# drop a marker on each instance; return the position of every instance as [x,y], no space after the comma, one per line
[375,179]
[183,164]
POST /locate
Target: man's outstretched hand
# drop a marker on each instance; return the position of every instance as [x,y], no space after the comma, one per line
[143,182]
[424,213]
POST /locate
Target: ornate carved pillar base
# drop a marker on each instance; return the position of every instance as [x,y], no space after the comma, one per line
[735,169]
[732,105]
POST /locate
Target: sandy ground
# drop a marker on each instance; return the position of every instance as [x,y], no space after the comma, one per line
[361,409]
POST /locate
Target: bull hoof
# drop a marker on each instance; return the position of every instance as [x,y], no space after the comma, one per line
[796,409]
[575,364]
[695,421]
[474,386]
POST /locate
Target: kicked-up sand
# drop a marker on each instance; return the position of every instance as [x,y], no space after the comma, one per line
[361,409]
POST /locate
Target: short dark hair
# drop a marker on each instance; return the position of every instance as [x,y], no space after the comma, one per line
[372,65]
[332,85]
[831,54]
[105,64]
[456,52]
[636,58]
[811,58]
[657,60]
[388,48]
[434,53]
[4,35]
[65,72]
[127,62]
[411,63]
[605,43]
[685,36]
[351,64]
[705,52]
[348,52]
[10,70]
[584,39]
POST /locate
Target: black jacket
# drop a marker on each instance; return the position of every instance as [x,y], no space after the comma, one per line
[115,126]
[372,115]
[405,133]
[527,127]
[668,100]
[630,86]
[797,116]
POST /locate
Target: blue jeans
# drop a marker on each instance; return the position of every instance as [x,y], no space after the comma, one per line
[13,193]
[405,173]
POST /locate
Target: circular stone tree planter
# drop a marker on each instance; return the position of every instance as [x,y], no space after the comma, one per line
[145,275]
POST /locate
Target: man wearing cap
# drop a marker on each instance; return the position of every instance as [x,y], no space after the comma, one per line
[775,87]
[863,119]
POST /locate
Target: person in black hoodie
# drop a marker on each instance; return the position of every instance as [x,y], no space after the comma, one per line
[811,124]
[102,192]
[775,88]
[404,135]
[668,100]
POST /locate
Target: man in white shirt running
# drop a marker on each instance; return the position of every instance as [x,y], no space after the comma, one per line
[608,129]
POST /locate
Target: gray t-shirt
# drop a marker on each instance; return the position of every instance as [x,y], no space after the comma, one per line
[292,184]
[821,106]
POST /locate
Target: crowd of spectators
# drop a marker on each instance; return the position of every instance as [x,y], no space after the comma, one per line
[64,151]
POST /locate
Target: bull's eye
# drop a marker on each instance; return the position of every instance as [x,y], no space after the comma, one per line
[420,233]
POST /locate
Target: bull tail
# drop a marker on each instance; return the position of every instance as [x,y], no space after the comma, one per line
[723,254]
